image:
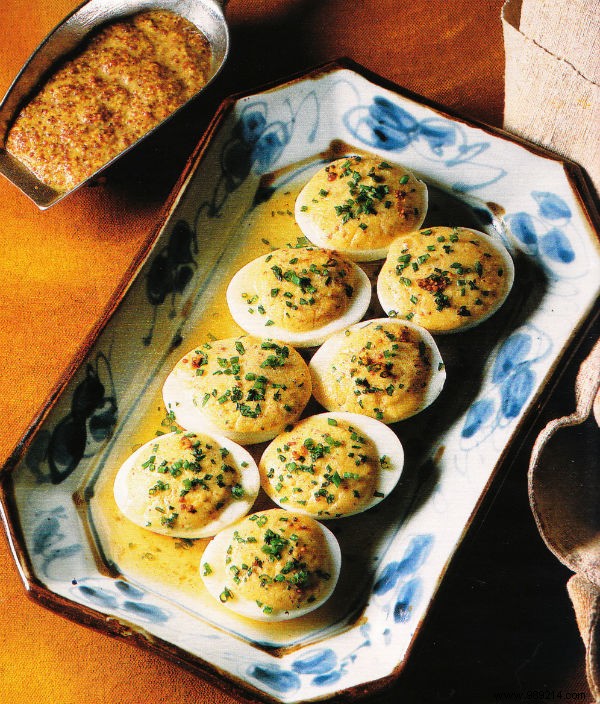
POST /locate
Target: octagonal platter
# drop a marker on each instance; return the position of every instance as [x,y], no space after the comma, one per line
[235,201]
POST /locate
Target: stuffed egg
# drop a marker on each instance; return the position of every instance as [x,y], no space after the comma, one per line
[388,369]
[187,485]
[299,295]
[445,278]
[245,388]
[273,565]
[359,205]
[332,465]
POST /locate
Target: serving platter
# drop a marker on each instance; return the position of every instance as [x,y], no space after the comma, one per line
[235,201]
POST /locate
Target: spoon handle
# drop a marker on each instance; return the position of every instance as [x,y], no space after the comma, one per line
[587,384]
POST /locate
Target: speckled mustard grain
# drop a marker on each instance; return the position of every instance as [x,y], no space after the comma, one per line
[129,77]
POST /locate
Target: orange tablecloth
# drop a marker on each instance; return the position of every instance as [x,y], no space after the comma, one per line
[502,622]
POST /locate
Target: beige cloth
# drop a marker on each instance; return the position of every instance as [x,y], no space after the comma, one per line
[552,98]
[564,493]
[586,601]
[552,84]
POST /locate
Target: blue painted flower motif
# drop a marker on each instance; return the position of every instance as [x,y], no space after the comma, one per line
[407,598]
[513,380]
[128,589]
[275,677]
[523,228]
[316,662]
[551,206]
[51,542]
[383,124]
[515,391]
[119,597]
[328,678]
[556,246]
[97,597]
[56,454]
[414,557]
[148,612]
[400,583]
[258,143]
[549,236]
[171,271]
[477,416]
[512,353]
[321,667]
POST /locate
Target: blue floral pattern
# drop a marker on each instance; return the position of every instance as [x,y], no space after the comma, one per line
[119,597]
[56,453]
[51,539]
[513,380]
[319,667]
[257,143]
[548,235]
[399,587]
[383,124]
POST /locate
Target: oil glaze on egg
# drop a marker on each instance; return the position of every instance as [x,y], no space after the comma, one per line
[300,296]
[386,368]
[272,565]
[446,279]
[359,205]
[187,485]
[245,388]
[332,465]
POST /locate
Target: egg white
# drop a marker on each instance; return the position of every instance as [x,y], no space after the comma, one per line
[389,304]
[317,236]
[386,444]
[180,397]
[320,363]
[255,325]
[249,481]
[214,555]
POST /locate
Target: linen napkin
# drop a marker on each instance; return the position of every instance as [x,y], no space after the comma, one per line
[552,79]
[564,493]
[552,98]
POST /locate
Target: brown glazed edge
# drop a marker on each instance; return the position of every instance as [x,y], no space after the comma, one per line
[242,690]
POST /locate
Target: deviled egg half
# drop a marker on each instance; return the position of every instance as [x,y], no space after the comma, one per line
[299,295]
[273,565]
[385,368]
[245,388]
[332,465]
[359,205]
[187,485]
[445,279]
